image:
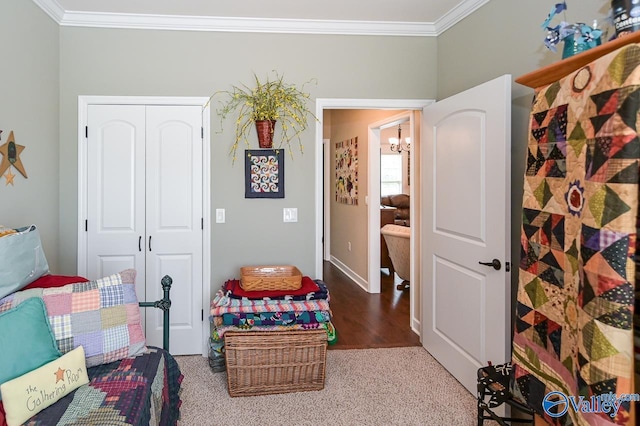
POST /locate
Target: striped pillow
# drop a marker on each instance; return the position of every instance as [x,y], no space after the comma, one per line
[102,316]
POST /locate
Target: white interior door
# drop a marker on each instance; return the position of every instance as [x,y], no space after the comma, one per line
[465,203]
[116,191]
[174,222]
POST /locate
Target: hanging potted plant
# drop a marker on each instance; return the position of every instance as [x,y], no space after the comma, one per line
[270,103]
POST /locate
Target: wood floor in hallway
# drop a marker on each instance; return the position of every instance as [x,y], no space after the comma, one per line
[364,320]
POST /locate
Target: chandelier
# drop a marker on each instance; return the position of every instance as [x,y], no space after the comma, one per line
[397,144]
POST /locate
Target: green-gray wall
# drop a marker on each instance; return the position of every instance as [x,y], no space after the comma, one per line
[176,63]
[46,68]
[29,82]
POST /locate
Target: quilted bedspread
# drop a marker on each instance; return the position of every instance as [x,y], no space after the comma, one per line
[142,390]
[575,302]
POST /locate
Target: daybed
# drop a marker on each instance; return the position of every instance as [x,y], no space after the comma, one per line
[128,382]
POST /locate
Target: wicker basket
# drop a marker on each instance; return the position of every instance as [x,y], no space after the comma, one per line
[253,278]
[268,362]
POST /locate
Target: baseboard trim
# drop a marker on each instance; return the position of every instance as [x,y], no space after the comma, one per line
[350,273]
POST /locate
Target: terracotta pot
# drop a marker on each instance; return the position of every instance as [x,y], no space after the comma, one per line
[265,130]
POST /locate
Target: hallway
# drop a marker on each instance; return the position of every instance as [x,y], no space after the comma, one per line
[364,320]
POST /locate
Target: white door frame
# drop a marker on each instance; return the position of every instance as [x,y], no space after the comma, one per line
[83,103]
[326,236]
[374,176]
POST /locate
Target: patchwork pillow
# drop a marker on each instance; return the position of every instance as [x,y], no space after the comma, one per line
[103,316]
[27,395]
[26,339]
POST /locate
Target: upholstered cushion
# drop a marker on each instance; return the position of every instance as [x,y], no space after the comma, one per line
[402,203]
[103,316]
[27,395]
[26,339]
[398,242]
[22,259]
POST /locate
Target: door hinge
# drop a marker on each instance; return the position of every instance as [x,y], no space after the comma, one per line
[202,314]
[202,132]
[86,225]
[202,223]
[86,132]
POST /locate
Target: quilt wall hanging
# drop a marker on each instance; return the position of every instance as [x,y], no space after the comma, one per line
[347,171]
[573,340]
[264,173]
[11,151]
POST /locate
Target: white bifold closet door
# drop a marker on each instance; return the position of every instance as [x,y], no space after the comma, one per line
[144,195]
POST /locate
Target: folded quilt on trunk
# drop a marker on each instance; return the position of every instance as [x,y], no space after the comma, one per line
[310,290]
[275,318]
[222,304]
[218,332]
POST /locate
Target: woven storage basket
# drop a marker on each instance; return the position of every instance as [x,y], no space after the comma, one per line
[268,362]
[253,278]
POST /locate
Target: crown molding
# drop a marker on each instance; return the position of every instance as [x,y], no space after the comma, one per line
[457,14]
[51,8]
[257,25]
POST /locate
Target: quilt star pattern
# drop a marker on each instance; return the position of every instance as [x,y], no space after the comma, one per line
[575,302]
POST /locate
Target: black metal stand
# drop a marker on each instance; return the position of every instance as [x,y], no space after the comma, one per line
[493,384]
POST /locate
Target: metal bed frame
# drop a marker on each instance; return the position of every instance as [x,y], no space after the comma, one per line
[165,305]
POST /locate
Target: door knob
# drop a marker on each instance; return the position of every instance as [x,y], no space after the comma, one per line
[495,263]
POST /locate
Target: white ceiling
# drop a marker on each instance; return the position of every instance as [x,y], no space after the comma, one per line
[386,17]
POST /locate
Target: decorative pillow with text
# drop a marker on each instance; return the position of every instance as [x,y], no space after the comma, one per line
[27,395]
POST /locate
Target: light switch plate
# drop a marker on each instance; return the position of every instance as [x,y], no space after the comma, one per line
[290,214]
[220,216]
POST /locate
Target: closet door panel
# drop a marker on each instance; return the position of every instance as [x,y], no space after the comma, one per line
[115,190]
[174,220]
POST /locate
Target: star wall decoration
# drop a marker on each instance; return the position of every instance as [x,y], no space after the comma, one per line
[11,151]
[9,177]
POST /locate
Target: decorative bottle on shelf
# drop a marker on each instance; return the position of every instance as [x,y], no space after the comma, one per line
[626,16]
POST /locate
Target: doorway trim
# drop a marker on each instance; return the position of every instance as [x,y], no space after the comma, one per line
[83,104]
[322,222]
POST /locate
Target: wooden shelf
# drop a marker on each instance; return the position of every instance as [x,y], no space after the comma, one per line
[554,72]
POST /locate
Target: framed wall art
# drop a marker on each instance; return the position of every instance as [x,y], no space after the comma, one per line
[264,173]
[347,171]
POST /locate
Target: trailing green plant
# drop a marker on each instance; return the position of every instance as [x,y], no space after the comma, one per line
[270,99]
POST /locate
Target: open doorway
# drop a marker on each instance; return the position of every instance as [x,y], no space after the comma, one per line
[395,204]
[395,111]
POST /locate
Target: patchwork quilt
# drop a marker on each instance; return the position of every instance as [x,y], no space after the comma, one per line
[276,318]
[140,390]
[222,304]
[575,302]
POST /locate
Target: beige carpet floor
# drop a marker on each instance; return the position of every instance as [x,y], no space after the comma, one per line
[396,386]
